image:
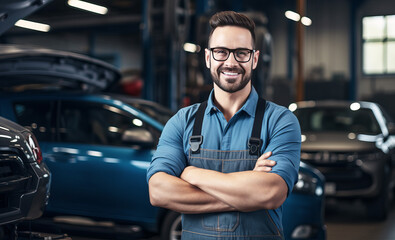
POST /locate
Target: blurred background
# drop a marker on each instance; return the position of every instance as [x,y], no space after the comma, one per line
[346,47]
[310,50]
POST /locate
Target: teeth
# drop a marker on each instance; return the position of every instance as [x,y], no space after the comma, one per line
[230,73]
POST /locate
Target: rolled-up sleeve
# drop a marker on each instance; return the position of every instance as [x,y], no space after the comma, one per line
[285,143]
[169,156]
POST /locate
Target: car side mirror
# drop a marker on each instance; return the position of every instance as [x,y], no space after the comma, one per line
[138,136]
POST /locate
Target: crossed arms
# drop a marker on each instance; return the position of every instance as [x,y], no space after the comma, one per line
[202,191]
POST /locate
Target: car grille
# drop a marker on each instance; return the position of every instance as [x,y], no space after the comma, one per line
[325,158]
[14,180]
[339,168]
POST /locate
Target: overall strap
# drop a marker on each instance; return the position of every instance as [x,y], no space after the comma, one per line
[196,139]
[255,142]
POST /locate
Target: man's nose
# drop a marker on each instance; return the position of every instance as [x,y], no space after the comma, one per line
[231,59]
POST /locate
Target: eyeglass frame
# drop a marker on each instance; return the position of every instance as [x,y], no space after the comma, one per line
[251,51]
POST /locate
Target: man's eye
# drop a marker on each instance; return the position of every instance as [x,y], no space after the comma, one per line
[242,53]
[220,51]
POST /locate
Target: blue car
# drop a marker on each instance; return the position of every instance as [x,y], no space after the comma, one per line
[303,211]
[99,145]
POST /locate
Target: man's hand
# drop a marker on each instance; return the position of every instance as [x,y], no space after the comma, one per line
[263,164]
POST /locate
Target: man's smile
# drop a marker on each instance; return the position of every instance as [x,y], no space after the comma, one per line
[230,73]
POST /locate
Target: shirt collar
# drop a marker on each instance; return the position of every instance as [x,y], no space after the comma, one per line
[248,107]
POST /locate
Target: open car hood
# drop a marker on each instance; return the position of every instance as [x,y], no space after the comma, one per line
[13,10]
[23,68]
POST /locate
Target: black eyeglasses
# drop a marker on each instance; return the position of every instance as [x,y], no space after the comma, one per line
[241,55]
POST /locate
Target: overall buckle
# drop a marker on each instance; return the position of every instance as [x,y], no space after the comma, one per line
[254,145]
[195,142]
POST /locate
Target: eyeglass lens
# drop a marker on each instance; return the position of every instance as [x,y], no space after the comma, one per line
[222,54]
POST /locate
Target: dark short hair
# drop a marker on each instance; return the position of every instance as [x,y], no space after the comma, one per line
[231,18]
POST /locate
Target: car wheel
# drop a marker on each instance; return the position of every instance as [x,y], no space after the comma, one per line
[171,227]
[378,207]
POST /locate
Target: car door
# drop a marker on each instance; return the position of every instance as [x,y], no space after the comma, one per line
[96,172]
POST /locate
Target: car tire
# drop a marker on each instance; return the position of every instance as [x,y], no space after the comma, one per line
[171,227]
[378,207]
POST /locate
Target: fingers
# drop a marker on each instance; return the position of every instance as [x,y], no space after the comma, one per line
[263,164]
[265,155]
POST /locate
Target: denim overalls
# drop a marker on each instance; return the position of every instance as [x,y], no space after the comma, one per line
[228,225]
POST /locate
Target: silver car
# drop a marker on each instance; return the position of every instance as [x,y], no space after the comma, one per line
[352,144]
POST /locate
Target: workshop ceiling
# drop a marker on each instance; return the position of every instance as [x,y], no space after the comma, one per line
[61,16]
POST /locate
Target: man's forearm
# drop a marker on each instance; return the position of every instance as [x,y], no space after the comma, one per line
[245,191]
[178,195]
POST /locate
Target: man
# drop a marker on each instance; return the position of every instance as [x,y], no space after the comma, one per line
[206,165]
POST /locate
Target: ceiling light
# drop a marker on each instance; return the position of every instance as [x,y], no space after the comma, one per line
[88,6]
[306,21]
[292,16]
[190,47]
[33,25]
[296,17]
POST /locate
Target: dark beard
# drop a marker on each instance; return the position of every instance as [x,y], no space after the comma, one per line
[234,88]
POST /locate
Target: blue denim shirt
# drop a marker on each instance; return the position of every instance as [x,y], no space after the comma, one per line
[280,134]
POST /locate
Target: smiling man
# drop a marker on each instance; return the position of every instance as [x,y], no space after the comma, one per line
[209,163]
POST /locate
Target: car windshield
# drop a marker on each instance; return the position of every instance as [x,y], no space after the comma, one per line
[337,119]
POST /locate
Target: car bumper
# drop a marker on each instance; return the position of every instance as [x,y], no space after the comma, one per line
[363,179]
[311,225]
[26,196]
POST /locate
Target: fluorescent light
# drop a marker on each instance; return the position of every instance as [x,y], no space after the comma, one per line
[292,16]
[306,21]
[190,47]
[33,25]
[88,6]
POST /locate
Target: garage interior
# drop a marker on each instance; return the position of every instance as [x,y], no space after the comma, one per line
[158,45]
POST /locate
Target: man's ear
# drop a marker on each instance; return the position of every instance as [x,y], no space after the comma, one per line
[256,58]
[207,57]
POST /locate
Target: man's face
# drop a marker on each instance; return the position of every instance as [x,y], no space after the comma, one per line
[231,75]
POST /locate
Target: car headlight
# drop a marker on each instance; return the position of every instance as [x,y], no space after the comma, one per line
[304,232]
[307,185]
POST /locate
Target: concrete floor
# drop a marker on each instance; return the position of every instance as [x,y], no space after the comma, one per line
[348,221]
[344,221]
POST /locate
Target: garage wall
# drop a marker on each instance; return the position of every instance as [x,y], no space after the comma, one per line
[278,27]
[327,44]
[326,41]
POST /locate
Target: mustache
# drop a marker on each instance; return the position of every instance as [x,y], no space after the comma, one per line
[228,69]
